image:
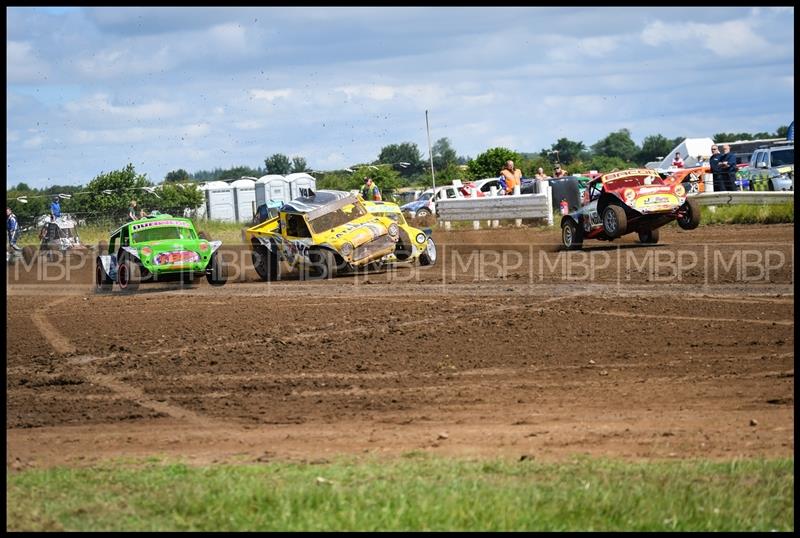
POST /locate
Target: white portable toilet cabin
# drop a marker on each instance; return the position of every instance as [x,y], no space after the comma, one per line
[200,211]
[244,196]
[220,202]
[272,187]
[300,184]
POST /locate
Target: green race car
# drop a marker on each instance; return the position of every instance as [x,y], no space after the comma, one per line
[157,248]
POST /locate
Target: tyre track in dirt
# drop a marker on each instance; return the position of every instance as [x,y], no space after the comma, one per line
[126,391]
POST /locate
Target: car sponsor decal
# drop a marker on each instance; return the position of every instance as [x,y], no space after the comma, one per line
[177,257]
[661,200]
[630,173]
[167,222]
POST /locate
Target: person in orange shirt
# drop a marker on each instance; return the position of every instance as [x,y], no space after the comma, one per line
[513,176]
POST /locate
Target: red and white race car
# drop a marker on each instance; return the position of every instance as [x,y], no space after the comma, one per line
[635,200]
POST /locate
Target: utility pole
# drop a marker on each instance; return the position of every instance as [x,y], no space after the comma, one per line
[430,153]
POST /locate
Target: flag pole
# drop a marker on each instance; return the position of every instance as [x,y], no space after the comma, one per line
[430,153]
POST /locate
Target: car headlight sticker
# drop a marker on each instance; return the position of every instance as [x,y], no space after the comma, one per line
[347,249]
[394,230]
[420,238]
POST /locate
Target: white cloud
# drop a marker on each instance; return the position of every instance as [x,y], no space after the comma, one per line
[231,37]
[249,124]
[368,91]
[100,103]
[483,99]
[727,39]
[33,142]
[270,95]
[591,47]
[22,64]
[11,136]
[125,62]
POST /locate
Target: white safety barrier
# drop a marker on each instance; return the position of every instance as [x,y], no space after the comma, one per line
[494,208]
[743,198]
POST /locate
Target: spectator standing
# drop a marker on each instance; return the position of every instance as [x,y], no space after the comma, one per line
[677,161]
[512,176]
[559,172]
[370,191]
[540,175]
[12,228]
[727,163]
[132,211]
[55,208]
[716,169]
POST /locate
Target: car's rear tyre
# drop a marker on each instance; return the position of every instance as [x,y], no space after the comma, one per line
[614,221]
[649,237]
[422,213]
[691,215]
[428,256]
[102,282]
[571,235]
[129,274]
[265,262]
[217,271]
[321,266]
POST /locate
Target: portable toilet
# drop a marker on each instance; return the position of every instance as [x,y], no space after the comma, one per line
[301,184]
[220,201]
[244,195]
[200,211]
[272,187]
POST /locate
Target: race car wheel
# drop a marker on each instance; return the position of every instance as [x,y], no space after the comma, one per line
[128,275]
[28,253]
[265,263]
[691,215]
[649,237]
[216,271]
[424,212]
[322,265]
[428,257]
[614,221]
[571,235]
[102,283]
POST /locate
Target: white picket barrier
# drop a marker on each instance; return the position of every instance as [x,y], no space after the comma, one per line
[494,208]
[743,197]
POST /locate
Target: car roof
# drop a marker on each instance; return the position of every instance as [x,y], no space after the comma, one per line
[308,204]
[154,220]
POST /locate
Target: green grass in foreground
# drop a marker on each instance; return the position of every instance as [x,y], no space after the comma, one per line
[412,493]
[748,214]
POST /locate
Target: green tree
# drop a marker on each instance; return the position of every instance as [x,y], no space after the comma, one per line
[653,147]
[617,144]
[490,162]
[782,131]
[565,151]
[122,186]
[177,176]
[407,152]
[279,164]
[443,154]
[299,165]
[605,164]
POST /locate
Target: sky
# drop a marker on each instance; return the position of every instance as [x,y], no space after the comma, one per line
[90,90]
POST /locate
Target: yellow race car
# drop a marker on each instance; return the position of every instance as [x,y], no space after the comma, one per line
[320,235]
[414,244]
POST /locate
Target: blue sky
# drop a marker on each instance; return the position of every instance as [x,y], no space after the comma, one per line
[92,89]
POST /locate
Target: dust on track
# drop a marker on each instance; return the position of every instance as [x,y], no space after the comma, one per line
[617,355]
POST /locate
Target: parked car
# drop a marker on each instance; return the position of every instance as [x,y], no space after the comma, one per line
[321,235]
[425,205]
[771,169]
[634,200]
[414,244]
[157,248]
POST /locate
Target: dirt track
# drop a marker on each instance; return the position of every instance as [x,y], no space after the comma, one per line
[628,351]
